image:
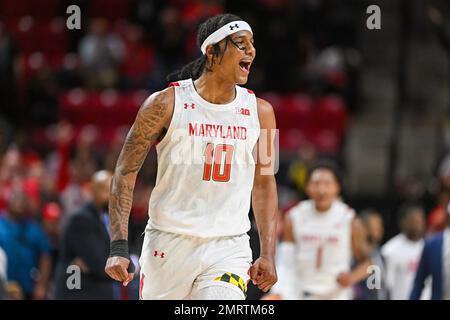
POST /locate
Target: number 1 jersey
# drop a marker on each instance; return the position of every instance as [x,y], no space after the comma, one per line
[206,165]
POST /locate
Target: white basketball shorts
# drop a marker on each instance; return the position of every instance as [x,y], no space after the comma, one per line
[175,266]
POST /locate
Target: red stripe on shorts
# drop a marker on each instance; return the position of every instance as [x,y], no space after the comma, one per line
[141,286]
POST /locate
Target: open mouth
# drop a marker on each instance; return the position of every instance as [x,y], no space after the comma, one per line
[245,66]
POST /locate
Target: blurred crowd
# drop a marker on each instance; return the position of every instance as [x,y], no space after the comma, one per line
[39,194]
[130,45]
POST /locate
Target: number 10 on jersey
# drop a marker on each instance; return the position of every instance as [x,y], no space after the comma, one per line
[219,153]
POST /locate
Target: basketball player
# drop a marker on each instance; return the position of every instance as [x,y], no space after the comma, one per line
[321,236]
[402,253]
[195,244]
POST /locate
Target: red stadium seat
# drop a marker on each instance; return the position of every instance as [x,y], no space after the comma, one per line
[14,8]
[278,107]
[273,98]
[107,113]
[291,139]
[93,111]
[55,60]
[47,9]
[327,142]
[29,64]
[32,62]
[111,112]
[330,113]
[106,135]
[24,32]
[128,107]
[42,9]
[193,11]
[52,36]
[299,112]
[107,108]
[72,105]
[294,111]
[34,35]
[138,98]
[138,62]
[110,9]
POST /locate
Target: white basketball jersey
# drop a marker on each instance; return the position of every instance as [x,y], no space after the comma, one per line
[401,257]
[323,248]
[205,165]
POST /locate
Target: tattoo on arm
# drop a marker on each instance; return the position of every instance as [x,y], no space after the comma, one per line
[145,131]
[121,198]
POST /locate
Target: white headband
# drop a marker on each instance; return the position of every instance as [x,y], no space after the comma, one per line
[224,32]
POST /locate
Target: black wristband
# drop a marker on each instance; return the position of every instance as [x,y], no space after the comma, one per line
[119,248]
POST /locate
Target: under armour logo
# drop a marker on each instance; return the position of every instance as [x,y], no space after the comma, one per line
[235,26]
[192,106]
[161,254]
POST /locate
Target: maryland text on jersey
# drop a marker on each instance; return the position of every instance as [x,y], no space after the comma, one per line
[217,131]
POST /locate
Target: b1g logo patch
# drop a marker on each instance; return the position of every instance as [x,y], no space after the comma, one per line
[243,111]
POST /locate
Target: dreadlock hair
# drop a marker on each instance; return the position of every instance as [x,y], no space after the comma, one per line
[195,68]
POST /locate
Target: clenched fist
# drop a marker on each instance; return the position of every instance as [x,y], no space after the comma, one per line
[117,268]
[263,273]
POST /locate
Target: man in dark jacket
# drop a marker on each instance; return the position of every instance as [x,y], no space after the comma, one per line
[435,263]
[85,248]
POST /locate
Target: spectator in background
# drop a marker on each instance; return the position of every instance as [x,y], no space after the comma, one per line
[169,38]
[6,132]
[73,173]
[402,253]
[85,243]
[444,169]
[10,174]
[26,247]
[299,169]
[42,104]
[373,222]
[110,158]
[138,60]
[8,65]
[84,158]
[69,168]
[437,218]
[3,267]
[51,217]
[441,29]
[101,52]
[320,237]
[435,263]
[74,194]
